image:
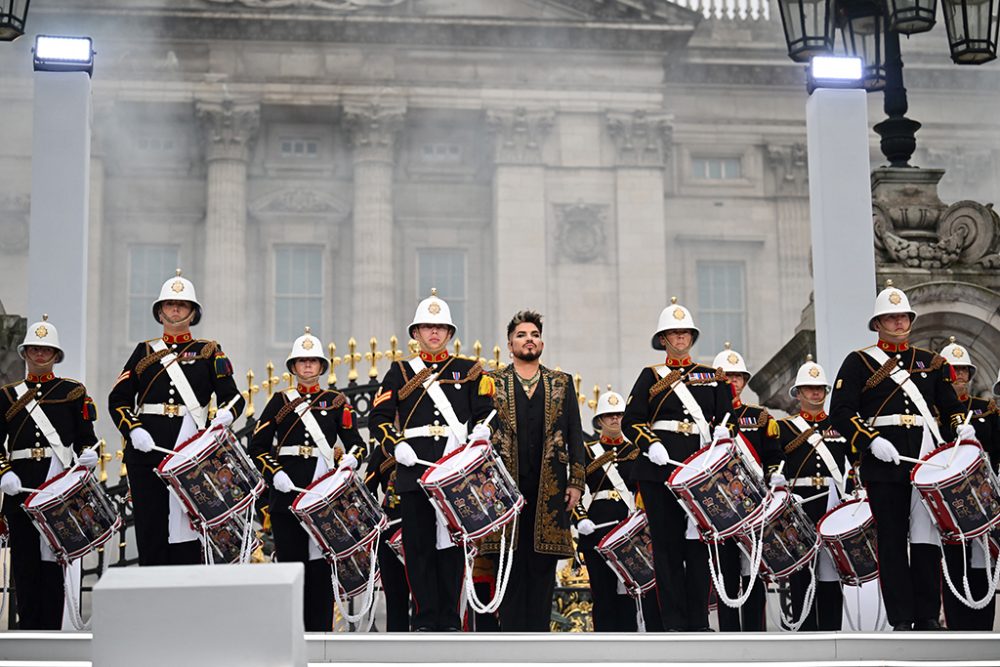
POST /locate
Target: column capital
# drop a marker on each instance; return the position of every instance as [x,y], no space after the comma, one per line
[372,127]
[519,134]
[789,165]
[229,128]
[641,138]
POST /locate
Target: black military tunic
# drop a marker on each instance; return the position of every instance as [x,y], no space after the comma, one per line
[864,391]
[435,576]
[39,584]
[281,442]
[681,564]
[381,473]
[144,381]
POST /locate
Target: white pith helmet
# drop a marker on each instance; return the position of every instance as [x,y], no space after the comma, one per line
[432,310]
[178,288]
[731,361]
[608,403]
[956,355]
[674,317]
[42,334]
[307,346]
[810,374]
[889,301]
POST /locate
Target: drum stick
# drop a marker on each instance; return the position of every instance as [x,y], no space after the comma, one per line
[164,450]
[429,464]
[714,441]
[910,459]
[812,498]
[606,524]
[93,448]
[779,471]
[671,462]
[301,490]
[954,450]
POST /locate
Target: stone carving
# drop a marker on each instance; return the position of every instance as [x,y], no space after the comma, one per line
[790,165]
[580,235]
[12,330]
[229,128]
[519,134]
[913,227]
[330,5]
[372,127]
[14,223]
[302,201]
[640,138]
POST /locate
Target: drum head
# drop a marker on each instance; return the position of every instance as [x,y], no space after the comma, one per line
[774,505]
[460,460]
[965,458]
[56,487]
[321,489]
[194,448]
[845,518]
[700,462]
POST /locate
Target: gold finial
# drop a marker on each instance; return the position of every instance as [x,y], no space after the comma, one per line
[178,272]
[393,354]
[727,345]
[271,380]
[609,386]
[888,283]
[248,394]
[352,358]
[597,395]
[458,348]
[373,358]
[331,378]
[289,378]
[577,382]
[103,458]
[434,291]
[120,455]
[495,361]
[308,330]
[414,346]
[477,351]
[951,339]
[673,300]
[809,358]
[45,317]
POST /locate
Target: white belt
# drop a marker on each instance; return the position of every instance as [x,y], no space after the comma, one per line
[607,494]
[163,409]
[305,451]
[897,420]
[429,431]
[674,426]
[36,453]
[814,482]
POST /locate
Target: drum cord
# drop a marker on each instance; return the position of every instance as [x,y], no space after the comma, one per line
[756,556]
[640,619]
[807,602]
[368,606]
[992,580]
[207,545]
[246,547]
[75,616]
[505,565]
[857,605]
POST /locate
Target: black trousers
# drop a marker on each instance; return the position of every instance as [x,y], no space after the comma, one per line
[151,509]
[827,610]
[527,604]
[395,588]
[613,611]
[911,582]
[291,545]
[434,576]
[957,616]
[682,579]
[38,583]
[751,616]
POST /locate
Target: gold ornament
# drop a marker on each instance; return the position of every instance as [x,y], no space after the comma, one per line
[678,314]
[307,344]
[41,332]
[958,353]
[434,308]
[733,358]
[814,372]
[894,298]
[177,286]
[613,400]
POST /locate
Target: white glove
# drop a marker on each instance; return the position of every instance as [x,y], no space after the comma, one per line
[282,482]
[720,432]
[586,527]
[142,441]
[88,459]
[349,461]
[10,483]
[223,417]
[480,433]
[778,480]
[884,450]
[405,456]
[966,432]
[658,454]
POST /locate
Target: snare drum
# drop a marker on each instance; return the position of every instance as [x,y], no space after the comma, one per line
[848,534]
[74,514]
[352,571]
[339,513]
[226,540]
[628,551]
[790,540]
[720,492]
[212,476]
[473,490]
[964,497]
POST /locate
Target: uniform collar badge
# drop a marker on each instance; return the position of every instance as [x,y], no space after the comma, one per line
[46,377]
[179,338]
[886,346]
[674,362]
[810,417]
[434,358]
[308,389]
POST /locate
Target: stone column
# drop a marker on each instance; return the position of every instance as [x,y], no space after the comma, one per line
[101,128]
[519,210]
[229,131]
[787,163]
[372,128]
[642,146]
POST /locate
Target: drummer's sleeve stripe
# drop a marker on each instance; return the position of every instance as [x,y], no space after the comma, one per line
[381,397]
[268,463]
[4,464]
[389,435]
[126,418]
[861,430]
[642,431]
[359,451]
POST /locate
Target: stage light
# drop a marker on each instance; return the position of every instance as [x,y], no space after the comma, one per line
[53,53]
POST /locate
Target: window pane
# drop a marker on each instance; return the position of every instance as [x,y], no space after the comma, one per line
[298,290]
[721,306]
[149,267]
[444,268]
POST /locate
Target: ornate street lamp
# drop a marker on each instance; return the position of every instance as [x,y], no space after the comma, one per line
[809,27]
[13,14]
[908,17]
[862,28]
[972,30]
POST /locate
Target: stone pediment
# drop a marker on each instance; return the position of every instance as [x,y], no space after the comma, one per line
[301,201]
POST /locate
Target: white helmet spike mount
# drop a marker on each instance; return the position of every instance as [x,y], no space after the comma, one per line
[731,361]
[891,301]
[432,310]
[608,403]
[672,318]
[810,374]
[957,356]
[41,334]
[178,288]
[307,346]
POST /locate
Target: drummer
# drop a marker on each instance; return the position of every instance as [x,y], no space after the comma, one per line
[670,415]
[755,433]
[160,400]
[886,414]
[610,458]
[381,472]
[437,399]
[816,465]
[984,420]
[293,444]
[47,424]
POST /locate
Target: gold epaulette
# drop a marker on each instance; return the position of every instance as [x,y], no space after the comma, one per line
[663,383]
[799,439]
[288,408]
[937,362]
[599,462]
[720,375]
[149,360]
[18,405]
[75,394]
[474,372]
[414,382]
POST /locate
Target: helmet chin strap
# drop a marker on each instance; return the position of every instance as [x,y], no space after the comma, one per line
[184,320]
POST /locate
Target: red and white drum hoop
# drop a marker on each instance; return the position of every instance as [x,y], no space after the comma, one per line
[847,532]
[628,551]
[340,513]
[790,540]
[960,490]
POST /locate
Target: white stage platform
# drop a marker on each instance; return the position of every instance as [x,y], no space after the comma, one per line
[64,649]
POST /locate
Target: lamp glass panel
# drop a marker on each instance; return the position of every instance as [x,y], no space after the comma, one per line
[972,30]
[809,26]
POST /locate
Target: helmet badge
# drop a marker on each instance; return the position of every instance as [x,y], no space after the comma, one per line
[814,372]
[41,332]
[434,308]
[894,298]
[612,400]
[678,314]
[733,358]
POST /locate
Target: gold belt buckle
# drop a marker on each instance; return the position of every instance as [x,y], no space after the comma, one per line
[171,410]
[907,420]
[437,431]
[685,427]
[819,481]
[614,495]
[37,453]
[305,451]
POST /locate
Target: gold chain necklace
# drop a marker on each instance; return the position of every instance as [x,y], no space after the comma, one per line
[530,382]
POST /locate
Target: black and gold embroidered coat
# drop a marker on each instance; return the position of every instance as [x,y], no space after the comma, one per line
[563,456]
